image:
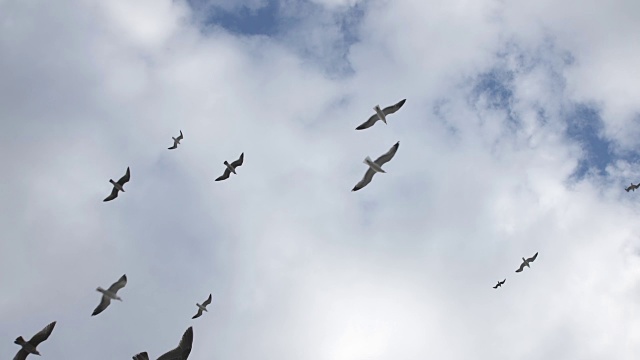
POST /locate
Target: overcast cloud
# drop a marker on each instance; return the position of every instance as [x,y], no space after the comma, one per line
[518,136]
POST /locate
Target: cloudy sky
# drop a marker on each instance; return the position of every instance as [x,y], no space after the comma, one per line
[519,134]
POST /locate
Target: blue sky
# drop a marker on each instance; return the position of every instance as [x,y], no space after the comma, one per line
[518,136]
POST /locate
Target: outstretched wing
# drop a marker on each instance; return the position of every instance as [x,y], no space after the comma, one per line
[180,137]
[21,355]
[118,284]
[498,284]
[141,356]
[365,180]
[198,314]
[113,195]
[42,335]
[238,162]
[521,267]
[184,348]
[175,146]
[123,180]
[531,259]
[225,175]
[393,108]
[207,302]
[389,155]
[369,123]
[104,303]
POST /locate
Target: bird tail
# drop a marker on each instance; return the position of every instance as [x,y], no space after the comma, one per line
[19,341]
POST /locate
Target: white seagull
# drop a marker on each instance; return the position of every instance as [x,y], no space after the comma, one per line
[376,166]
[202,307]
[176,141]
[231,168]
[179,353]
[118,186]
[29,347]
[381,114]
[110,294]
[527,262]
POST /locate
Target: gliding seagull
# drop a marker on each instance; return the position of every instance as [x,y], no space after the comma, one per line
[499,284]
[381,114]
[376,166]
[176,141]
[526,262]
[231,168]
[202,307]
[118,186]
[110,294]
[179,353]
[29,347]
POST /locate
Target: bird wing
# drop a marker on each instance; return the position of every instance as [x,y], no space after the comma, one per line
[225,175]
[113,195]
[42,335]
[531,259]
[369,123]
[503,281]
[141,356]
[123,180]
[175,146]
[207,302]
[238,162]
[104,303]
[180,137]
[521,267]
[365,180]
[498,284]
[393,108]
[118,284]
[184,348]
[389,155]
[198,314]
[21,355]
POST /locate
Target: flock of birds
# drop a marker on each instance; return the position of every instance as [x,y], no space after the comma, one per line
[182,351]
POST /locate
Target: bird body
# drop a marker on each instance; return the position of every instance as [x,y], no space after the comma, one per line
[202,307]
[376,166]
[231,168]
[381,114]
[176,141]
[30,347]
[526,262]
[632,187]
[118,186]
[373,165]
[500,283]
[109,294]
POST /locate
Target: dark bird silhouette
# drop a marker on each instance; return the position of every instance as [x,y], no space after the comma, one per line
[118,186]
[632,187]
[29,347]
[381,114]
[526,262]
[231,168]
[202,307]
[499,284]
[179,353]
[176,141]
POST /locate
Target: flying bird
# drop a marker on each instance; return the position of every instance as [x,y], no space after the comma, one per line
[381,114]
[180,353]
[231,168]
[632,187]
[202,307]
[118,186]
[176,141]
[527,262]
[29,347]
[376,166]
[110,294]
[499,284]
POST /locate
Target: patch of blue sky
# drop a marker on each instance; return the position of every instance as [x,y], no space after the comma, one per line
[242,20]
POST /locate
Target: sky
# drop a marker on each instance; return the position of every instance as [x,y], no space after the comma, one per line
[519,134]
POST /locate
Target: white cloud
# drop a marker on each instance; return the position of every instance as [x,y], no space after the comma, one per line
[299,266]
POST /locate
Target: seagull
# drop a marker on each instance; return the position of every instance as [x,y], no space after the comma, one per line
[202,307]
[29,347]
[632,187]
[180,353]
[381,114]
[176,141]
[231,168]
[499,284]
[110,294]
[376,166]
[527,262]
[118,186]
